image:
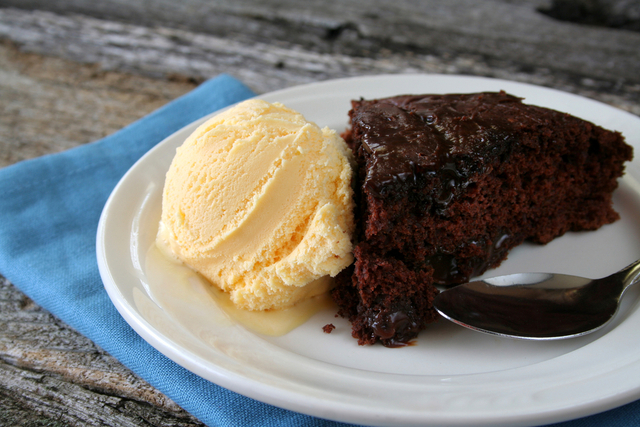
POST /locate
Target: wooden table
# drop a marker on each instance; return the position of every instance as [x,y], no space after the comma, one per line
[74,71]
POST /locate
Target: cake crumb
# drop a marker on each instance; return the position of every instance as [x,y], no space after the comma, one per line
[328,328]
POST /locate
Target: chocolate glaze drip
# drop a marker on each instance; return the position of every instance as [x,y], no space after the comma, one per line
[447,272]
[407,136]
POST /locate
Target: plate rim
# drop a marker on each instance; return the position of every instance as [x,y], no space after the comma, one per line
[262,392]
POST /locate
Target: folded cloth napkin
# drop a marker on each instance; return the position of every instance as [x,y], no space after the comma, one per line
[49,212]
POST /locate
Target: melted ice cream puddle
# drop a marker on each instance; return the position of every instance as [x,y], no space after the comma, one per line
[182,293]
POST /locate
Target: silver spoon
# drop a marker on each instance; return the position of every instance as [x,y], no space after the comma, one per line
[537,306]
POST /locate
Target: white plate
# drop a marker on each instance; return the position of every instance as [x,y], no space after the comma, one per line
[452,376]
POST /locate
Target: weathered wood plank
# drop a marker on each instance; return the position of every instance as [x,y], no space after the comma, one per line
[49,372]
[495,29]
[49,104]
[71,404]
[269,65]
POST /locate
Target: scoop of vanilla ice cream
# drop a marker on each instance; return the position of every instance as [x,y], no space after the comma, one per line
[259,201]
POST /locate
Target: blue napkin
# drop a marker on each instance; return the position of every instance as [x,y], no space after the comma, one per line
[49,212]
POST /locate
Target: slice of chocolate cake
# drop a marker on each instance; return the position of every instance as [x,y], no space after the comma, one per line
[448,184]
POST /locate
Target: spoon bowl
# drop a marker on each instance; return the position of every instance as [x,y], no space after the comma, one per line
[537,306]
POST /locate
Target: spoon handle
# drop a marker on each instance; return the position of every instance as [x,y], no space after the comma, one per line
[630,275]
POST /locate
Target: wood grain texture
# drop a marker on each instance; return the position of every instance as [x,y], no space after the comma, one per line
[73,71]
[52,375]
[272,52]
[493,28]
[51,104]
